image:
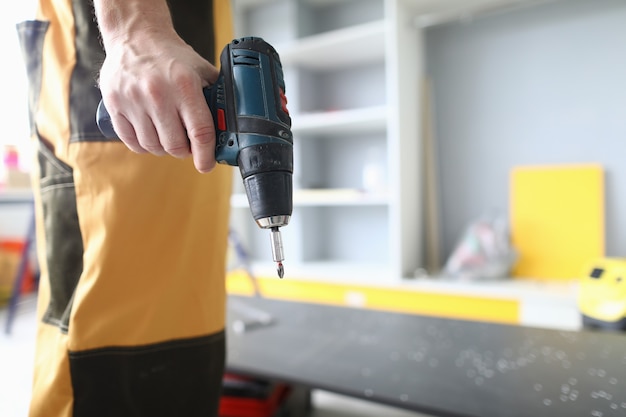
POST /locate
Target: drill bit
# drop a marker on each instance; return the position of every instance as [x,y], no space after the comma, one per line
[277,250]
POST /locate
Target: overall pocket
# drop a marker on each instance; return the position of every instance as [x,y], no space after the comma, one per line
[64,245]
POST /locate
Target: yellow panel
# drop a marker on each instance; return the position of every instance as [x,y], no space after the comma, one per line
[397,300]
[557,219]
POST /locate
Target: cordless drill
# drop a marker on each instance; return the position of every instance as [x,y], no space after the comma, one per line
[253,131]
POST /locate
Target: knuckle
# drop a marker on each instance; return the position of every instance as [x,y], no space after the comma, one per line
[179,151]
[114,103]
[153,148]
[203,135]
[154,92]
[186,81]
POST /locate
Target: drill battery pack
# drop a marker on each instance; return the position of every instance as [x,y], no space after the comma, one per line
[602,295]
[251,397]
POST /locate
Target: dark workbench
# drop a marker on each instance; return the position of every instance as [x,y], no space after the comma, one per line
[437,366]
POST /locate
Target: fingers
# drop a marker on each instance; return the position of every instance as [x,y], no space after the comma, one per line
[164,134]
[198,123]
[145,138]
[125,131]
[159,127]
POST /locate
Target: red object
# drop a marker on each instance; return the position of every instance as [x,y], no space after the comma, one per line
[254,405]
[283,100]
[17,247]
[221,119]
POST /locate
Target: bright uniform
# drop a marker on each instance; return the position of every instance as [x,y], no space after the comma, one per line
[131,246]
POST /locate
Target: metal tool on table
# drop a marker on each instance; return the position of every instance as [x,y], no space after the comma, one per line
[247,317]
[253,131]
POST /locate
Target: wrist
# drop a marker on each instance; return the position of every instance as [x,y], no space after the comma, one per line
[128,22]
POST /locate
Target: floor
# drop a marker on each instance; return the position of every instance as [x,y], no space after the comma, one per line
[17,351]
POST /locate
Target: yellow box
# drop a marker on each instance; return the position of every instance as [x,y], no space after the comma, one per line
[557,219]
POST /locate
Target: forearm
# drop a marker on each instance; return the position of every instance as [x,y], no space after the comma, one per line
[123,22]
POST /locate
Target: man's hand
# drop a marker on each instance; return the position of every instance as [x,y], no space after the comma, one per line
[151,83]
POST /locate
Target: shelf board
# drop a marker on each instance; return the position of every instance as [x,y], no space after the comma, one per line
[364,43]
[248,4]
[325,197]
[341,122]
[339,197]
[436,12]
[16,196]
[333,271]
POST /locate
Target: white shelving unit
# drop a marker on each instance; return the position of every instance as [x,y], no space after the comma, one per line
[338,48]
[352,121]
[15,212]
[354,72]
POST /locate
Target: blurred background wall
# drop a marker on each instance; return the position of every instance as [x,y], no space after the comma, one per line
[540,85]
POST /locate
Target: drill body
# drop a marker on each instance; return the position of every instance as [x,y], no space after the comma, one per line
[253,131]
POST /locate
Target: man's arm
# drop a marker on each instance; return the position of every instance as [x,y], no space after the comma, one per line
[151,82]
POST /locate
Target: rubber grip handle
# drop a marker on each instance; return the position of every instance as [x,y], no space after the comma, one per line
[103,119]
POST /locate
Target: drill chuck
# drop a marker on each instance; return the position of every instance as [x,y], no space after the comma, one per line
[274,221]
[269,194]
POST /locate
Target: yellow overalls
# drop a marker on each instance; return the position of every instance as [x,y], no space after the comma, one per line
[131,247]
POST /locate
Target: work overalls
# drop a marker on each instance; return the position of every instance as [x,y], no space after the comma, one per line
[131,246]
